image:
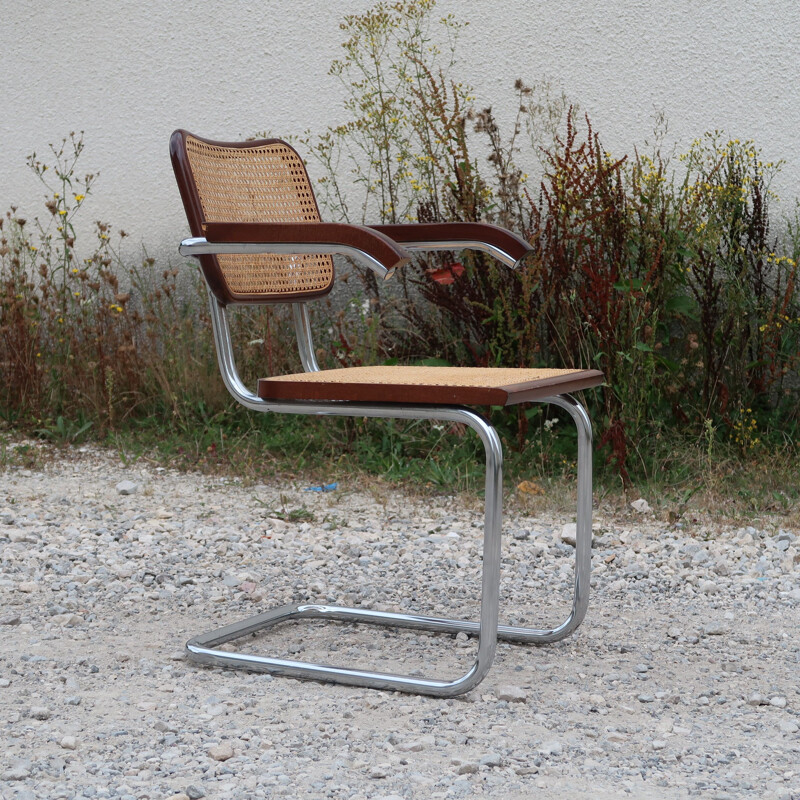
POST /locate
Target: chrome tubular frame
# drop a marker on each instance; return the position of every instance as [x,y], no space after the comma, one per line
[203,648]
[465,244]
[199,246]
[305,341]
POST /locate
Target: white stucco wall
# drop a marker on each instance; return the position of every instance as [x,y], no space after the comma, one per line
[129,73]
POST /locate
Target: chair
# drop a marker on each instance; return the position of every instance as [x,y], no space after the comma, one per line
[257,234]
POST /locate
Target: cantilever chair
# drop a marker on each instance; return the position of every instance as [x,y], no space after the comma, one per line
[258,237]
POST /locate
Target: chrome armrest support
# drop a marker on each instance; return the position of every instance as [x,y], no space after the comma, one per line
[305,341]
[466,244]
[227,362]
[199,246]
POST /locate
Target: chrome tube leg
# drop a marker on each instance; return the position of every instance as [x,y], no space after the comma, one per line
[202,648]
[305,341]
[583,535]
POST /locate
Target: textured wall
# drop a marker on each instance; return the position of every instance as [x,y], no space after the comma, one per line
[129,73]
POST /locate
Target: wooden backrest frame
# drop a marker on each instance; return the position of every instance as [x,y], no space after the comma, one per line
[284,195]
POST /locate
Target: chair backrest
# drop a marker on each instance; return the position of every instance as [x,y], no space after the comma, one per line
[258,181]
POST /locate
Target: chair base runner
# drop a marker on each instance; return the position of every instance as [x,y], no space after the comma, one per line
[202,648]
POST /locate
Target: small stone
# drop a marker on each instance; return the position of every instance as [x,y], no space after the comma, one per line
[597,700]
[7,517]
[778,702]
[72,700]
[5,683]
[28,587]
[788,726]
[220,752]
[467,768]
[641,505]
[679,730]
[417,745]
[512,694]
[522,534]
[568,533]
[646,698]
[195,792]
[551,748]
[379,771]
[179,796]
[715,629]
[69,742]
[674,632]
[18,772]
[756,699]
[40,712]
[491,760]
[659,744]
[708,587]
[10,619]
[127,487]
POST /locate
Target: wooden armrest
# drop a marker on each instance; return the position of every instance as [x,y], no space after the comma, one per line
[498,242]
[338,237]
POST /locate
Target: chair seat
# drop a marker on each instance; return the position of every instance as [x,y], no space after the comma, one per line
[435,385]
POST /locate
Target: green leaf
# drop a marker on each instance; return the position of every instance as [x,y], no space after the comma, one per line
[681,304]
[432,362]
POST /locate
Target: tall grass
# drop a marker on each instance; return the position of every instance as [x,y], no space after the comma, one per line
[672,276]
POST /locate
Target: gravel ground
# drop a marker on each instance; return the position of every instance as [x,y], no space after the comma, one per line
[683,681]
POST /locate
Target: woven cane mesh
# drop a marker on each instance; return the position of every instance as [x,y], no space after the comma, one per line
[478,377]
[265,183]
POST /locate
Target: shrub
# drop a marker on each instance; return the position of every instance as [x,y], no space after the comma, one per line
[673,286]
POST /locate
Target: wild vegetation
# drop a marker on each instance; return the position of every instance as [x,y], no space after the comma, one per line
[672,275]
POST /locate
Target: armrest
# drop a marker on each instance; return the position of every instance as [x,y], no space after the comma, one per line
[492,239]
[375,249]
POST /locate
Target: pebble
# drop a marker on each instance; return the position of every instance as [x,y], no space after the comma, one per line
[220,752]
[715,629]
[40,712]
[568,533]
[551,748]
[118,586]
[512,694]
[778,702]
[17,772]
[641,505]
[417,745]
[127,487]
